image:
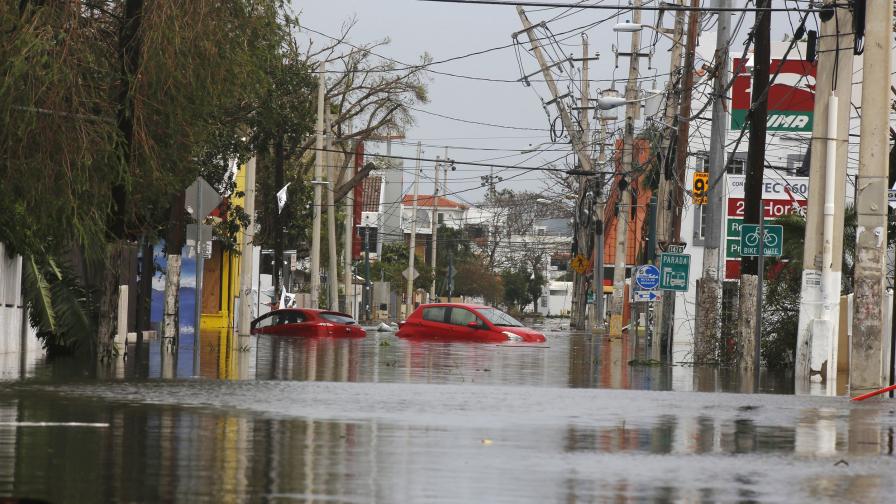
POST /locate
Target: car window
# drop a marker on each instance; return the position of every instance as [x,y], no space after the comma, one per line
[434,313]
[264,322]
[499,318]
[293,317]
[338,318]
[462,316]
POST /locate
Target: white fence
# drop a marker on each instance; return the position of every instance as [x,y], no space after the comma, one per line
[16,337]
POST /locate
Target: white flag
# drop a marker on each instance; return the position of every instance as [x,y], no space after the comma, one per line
[282,300]
[281,198]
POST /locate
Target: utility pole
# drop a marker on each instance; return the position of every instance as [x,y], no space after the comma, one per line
[584,103]
[819,326]
[246,264]
[866,363]
[349,207]
[412,249]
[708,287]
[333,271]
[626,173]
[753,212]
[318,174]
[583,233]
[664,206]
[434,227]
[599,233]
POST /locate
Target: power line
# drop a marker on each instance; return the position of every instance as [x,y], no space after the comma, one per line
[671,8]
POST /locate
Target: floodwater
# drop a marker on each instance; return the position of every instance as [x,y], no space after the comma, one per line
[274,419]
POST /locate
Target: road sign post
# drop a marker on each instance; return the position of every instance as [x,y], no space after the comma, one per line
[675,272]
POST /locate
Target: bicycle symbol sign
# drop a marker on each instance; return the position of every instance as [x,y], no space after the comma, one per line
[772,241]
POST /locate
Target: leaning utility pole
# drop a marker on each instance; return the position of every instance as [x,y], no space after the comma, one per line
[333,270]
[246,263]
[624,206]
[819,326]
[434,228]
[753,211]
[579,146]
[664,205]
[706,330]
[412,249]
[866,362]
[318,174]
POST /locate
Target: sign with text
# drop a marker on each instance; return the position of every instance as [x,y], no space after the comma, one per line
[675,272]
[782,194]
[791,98]
[772,240]
[699,188]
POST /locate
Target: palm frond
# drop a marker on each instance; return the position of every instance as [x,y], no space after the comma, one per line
[38,297]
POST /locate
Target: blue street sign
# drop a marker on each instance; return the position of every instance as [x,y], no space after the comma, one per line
[647,277]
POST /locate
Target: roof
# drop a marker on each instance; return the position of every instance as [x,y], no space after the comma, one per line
[462,305]
[426,200]
[370,194]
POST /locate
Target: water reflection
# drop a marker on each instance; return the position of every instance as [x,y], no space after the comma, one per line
[166,453]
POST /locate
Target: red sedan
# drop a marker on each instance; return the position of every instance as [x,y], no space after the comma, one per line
[307,322]
[463,322]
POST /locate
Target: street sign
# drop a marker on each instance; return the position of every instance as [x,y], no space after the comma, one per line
[675,272]
[647,277]
[773,240]
[699,188]
[405,273]
[201,194]
[891,196]
[645,296]
[676,248]
[580,264]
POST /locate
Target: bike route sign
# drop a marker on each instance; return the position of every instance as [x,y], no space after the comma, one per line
[773,240]
[675,272]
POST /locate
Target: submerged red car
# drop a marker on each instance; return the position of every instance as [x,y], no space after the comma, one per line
[465,322]
[307,322]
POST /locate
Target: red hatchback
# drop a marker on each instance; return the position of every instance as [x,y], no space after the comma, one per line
[463,322]
[307,322]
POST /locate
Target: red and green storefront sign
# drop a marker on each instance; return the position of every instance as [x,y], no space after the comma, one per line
[791,99]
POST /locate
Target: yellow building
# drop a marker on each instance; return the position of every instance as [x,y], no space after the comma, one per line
[221,275]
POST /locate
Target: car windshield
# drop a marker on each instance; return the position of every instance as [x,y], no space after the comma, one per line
[499,318]
[338,318]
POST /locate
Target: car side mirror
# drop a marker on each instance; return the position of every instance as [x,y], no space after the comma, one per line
[473,325]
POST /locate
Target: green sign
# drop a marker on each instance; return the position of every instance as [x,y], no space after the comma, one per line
[734,227]
[773,241]
[732,249]
[778,120]
[675,272]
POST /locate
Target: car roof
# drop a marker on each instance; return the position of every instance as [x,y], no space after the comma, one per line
[460,305]
[315,311]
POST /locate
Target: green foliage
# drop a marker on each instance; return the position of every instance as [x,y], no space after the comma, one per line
[394,260]
[60,309]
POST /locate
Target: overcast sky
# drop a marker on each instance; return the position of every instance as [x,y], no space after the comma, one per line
[450,30]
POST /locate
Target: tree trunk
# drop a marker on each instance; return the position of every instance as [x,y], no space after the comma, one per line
[108,301]
[174,243]
[171,320]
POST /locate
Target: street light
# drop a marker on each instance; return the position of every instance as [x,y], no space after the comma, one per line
[629,27]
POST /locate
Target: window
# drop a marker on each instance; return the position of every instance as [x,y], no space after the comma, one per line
[701,162]
[700,222]
[462,317]
[544,301]
[434,314]
[337,318]
[287,317]
[266,321]
[441,218]
[499,318]
[738,165]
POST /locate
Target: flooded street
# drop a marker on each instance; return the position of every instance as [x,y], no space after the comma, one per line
[274,419]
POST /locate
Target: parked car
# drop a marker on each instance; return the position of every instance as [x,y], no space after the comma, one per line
[464,322]
[307,322]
